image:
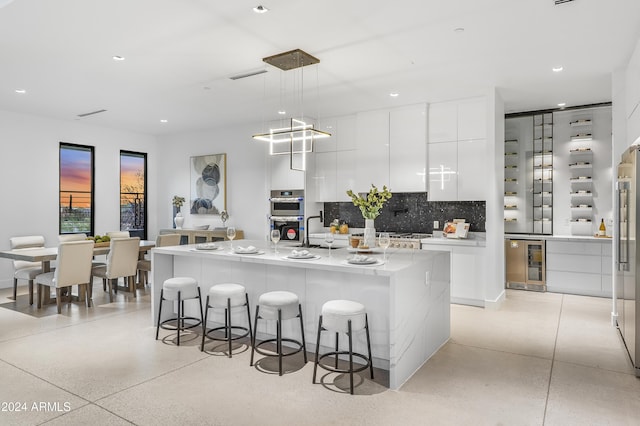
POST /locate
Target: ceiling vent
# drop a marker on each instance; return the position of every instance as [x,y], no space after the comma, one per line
[86,114]
[562,1]
[247,74]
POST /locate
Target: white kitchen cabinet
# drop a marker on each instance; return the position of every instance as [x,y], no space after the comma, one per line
[282,177]
[372,163]
[345,173]
[328,144]
[579,267]
[408,149]
[443,122]
[472,119]
[443,171]
[467,275]
[346,129]
[457,147]
[472,170]
[324,179]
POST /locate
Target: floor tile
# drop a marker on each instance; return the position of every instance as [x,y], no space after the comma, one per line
[29,400]
[591,396]
[586,336]
[120,350]
[526,324]
[493,387]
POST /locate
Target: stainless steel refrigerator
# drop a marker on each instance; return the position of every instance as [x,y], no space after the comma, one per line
[627,282]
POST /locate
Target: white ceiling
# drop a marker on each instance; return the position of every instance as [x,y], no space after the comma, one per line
[181,53]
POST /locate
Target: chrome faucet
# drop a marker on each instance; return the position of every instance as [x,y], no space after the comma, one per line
[306,229]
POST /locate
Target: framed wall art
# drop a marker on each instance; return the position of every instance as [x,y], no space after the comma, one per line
[208,184]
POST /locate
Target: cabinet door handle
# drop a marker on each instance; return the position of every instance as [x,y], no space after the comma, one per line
[623,190]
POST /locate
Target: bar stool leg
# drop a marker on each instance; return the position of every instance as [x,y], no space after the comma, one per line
[204,324]
[304,345]
[228,328]
[337,346]
[180,313]
[253,340]
[279,340]
[246,296]
[159,312]
[350,356]
[366,328]
[315,363]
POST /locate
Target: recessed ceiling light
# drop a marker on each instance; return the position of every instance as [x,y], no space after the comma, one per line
[557,69]
[260,9]
[561,104]
[21,91]
[164,121]
[118,58]
[458,30]
[282,112]
[394,94]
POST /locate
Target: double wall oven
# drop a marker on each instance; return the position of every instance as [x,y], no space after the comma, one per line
[287,213]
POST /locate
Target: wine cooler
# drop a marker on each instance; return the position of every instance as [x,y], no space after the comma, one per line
[525,262]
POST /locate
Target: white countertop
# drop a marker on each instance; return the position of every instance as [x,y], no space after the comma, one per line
[397,259]
[557,237]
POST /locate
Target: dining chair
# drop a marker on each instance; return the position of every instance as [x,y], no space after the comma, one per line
[122,261]
[63,238]
[74,268]
[118,234]
[24,270]
[144,265]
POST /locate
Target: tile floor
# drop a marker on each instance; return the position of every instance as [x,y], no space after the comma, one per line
[542,359]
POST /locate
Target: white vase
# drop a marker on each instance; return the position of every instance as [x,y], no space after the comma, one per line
[179,220]
[369,233]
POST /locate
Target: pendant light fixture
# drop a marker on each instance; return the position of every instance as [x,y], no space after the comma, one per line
[296,136]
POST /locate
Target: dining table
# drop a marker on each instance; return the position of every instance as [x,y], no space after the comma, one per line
[45,255]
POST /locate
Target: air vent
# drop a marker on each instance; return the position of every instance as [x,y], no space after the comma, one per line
[247,74]
[86,114]
[562,1]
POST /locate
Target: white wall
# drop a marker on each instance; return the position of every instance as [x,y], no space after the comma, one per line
[29,170]
[247,171]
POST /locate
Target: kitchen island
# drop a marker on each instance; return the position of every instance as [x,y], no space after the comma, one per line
[407,297]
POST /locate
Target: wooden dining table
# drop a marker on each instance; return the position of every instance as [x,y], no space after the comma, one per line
[45,255]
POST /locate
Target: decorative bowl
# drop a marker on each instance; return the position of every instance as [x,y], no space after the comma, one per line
[201,227]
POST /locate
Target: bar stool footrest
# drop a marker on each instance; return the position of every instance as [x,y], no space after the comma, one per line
[256,347]
[164,326]
[340,370]
[224,339]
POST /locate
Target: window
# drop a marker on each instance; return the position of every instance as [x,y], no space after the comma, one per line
[133,193]
[76,189]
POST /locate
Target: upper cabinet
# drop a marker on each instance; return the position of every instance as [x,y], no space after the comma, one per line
[282,177]
[408,149]
[457,150]
[383,147]
[372,144]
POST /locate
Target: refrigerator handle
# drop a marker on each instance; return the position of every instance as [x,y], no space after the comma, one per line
[623,261]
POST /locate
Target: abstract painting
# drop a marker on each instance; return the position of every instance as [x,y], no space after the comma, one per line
[208,184]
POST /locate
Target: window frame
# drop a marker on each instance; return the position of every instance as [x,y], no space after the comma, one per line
[145,215]
[91,150]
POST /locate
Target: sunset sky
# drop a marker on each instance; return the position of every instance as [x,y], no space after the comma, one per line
[75,175]
[130,166]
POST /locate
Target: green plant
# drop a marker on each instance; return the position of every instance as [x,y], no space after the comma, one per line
[177,201]
[371,204]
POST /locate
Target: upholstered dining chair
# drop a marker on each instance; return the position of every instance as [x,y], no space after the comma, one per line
[74,268]
[118,234]
[122,261]
[144,265]
[24,270]
[64,238]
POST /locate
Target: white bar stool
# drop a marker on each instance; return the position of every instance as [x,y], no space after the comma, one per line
[343,316]
[226,296]
[179,289]
[278,306]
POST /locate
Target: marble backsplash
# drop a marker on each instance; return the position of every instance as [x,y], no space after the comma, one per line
[411,212]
